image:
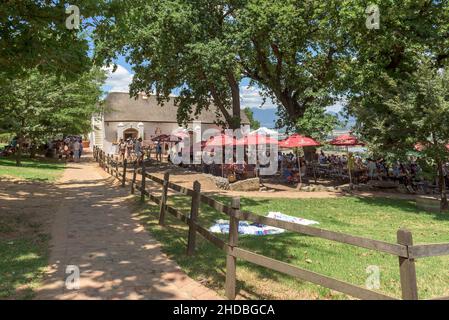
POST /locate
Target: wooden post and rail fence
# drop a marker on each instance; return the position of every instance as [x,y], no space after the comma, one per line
[404,249]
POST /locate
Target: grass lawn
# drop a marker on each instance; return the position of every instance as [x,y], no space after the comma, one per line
[376,218]
[32,169]
[23,256]
[23,241]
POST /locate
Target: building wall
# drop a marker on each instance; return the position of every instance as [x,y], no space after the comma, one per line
[149,129]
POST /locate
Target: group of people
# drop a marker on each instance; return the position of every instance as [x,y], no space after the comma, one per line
[10,148]
[130,149]
[336,160]
[342,167]
[408,173]
[69,149]
[293,169]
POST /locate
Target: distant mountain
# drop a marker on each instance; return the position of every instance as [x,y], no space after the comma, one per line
[268,117]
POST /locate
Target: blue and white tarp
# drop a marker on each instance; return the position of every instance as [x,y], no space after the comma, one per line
[256,229]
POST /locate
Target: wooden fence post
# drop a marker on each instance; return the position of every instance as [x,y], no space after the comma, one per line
[133,182]
[407,268]
[231,271]
[193,218]
[116,169]
[125,164]
[164,198]
[108,163]
[102,159]
[142,186]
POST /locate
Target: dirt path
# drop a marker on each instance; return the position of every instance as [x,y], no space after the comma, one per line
[117,259]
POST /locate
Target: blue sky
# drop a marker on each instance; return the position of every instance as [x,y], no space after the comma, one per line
[120,80]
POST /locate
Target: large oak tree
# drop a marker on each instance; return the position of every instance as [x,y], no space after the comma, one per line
[175,45]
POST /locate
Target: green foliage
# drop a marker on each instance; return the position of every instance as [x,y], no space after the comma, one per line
[404,112]
[396,114]
[254,124]
[40,106]
[34,34]
[316,123]
[295,51]
[175,44]
[5,138]
[206,47]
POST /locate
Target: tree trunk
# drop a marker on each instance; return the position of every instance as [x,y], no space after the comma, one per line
[444,206]
[217,101]
[19,152]
[33,151]
[235,91]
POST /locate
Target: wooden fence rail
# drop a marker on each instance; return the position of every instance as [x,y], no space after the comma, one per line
[404,249]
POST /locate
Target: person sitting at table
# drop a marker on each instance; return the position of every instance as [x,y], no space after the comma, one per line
[239,170]
[322,158]
[287,173]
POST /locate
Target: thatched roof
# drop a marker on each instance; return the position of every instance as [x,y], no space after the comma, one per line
[119,107]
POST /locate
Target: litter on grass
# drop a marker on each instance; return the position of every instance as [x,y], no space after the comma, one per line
[257,229]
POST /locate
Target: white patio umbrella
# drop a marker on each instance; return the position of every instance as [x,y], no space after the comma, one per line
[264,131]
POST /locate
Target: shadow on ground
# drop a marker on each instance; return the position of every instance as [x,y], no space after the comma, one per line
[92,230]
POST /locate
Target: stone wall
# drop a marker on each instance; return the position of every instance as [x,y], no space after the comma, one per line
[246,185]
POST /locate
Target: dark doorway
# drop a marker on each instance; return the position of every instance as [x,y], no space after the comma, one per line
[130,133]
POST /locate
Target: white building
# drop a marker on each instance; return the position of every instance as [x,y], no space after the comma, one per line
[126,117]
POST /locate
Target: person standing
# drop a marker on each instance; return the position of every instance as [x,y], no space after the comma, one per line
[71,150]
[76,150]
[122,150]
[138,150]
[159,152]
[81,146]
[129,148]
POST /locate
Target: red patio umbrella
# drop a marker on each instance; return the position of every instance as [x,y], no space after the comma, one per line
[298,141]
[347,140]
[221,141]
[166,138]
[420,147]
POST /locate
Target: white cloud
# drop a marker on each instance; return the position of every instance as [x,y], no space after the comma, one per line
[119,80]
[250,97]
